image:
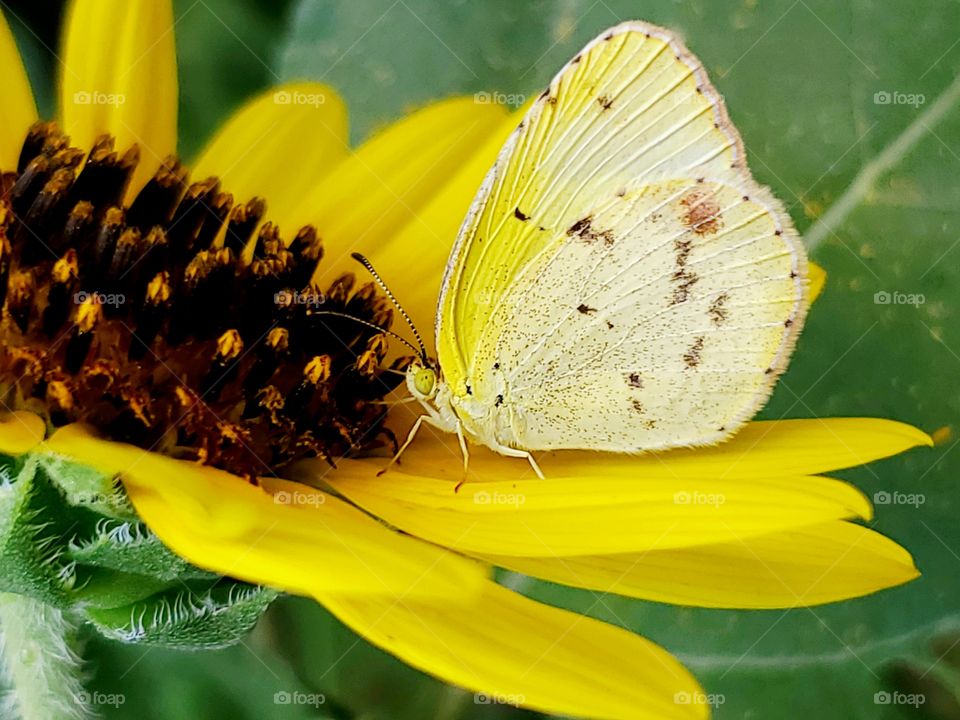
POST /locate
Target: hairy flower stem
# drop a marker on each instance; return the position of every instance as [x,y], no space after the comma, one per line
[41,668]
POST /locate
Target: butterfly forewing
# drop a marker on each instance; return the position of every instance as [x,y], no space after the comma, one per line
[621,282]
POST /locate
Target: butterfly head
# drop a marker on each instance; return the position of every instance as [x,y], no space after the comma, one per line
[423,380]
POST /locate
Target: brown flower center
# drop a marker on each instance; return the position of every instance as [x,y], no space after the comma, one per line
[180,322]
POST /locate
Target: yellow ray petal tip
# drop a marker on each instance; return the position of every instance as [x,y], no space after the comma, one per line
[20,432]
[817,278]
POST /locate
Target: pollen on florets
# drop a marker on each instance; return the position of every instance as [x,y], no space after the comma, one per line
[181,321]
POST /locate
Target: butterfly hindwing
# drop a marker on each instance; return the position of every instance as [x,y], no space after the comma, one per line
[621,282]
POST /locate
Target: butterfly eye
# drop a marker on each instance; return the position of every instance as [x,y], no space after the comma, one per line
[425,381]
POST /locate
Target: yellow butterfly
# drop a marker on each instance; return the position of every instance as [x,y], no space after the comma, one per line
[620,283]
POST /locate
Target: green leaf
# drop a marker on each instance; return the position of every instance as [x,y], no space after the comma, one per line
[873,183]
[387,58]
[225,54]
[241,682]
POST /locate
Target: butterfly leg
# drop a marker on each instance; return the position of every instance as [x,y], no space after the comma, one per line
[514,452]
[466,455]
[429,420]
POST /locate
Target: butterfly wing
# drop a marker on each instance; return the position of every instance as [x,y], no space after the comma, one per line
[620,282]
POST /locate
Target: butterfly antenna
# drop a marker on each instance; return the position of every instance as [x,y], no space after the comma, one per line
[374,326]
[383,286]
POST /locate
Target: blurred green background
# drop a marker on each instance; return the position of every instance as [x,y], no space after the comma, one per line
[851,113]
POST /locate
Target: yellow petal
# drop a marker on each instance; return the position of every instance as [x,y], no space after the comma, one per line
[304,541]
[762,449]
[279,146]
[796,568]
[119,76]
[383,185]
[500,510]
[515,650]
[17,111]
[817,278]
[20,432]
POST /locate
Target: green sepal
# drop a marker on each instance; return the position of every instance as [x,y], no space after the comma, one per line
[192,617]
[100,588]
[86,487]
[33,522]
[70,538]
[128,546]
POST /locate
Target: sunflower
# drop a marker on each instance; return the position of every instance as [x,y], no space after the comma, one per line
[158,329]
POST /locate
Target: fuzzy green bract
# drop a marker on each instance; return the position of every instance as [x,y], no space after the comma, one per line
[69,538]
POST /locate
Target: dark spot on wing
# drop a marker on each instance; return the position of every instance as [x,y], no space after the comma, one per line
[469,390]
[788,322]
[682,247]
[650,424]
[583,229]
[634,380]
[685,281]
[499,401]
[576,58]
[718,312]
[496,366]
[701,212]
[580,227]
[692,357]
[638,406]
[519,215]
[586,309]
[609,325]
[605,102]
